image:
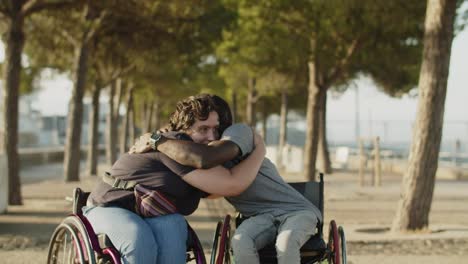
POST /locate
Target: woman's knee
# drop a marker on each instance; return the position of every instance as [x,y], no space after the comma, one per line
[130,235]
[174,223]
[178,221]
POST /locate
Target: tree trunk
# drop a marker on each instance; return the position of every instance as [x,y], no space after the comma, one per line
[131,123]
[111,149]
[148,117]
[313,103]
[75,115]
[126,119]
[116,114]
[234,106]
[418,182]
[156,122]
[264,121]
[118,98]
[93,132]
[283,129]
[143,113]
[323,155]
[251,100]
[14,41]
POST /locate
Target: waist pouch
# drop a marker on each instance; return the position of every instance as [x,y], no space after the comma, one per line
[152,203]
[148,202]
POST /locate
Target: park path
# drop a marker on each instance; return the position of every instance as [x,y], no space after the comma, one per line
[365,213]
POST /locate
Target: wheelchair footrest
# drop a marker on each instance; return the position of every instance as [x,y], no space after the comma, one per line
[315,246]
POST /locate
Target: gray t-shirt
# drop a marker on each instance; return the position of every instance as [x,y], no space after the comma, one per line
[268,193]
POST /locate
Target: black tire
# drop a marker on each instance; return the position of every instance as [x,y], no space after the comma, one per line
[343,245]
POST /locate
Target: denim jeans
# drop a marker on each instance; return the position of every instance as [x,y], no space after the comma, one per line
[160,239]
[289,232]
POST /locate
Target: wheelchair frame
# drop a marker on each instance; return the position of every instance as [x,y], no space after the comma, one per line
[314,251]
[74,240]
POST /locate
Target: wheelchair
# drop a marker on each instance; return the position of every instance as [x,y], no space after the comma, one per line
[74,240]
[315,250]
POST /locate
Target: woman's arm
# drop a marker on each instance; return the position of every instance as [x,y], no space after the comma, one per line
[229,182]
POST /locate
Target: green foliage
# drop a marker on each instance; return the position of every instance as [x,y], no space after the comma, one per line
[165,43]
[29,78]
[462,16]
[392,53]
[342,38]
[259,45]
[183,47]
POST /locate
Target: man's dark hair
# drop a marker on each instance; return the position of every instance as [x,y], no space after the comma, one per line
[224,113]
[191,109]
[198,107]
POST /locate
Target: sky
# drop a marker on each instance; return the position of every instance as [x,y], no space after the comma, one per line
[55,92]
[384,107]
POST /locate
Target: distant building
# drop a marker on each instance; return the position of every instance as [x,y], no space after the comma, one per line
[52,131]
[29,123]
[35,130]
[103,110]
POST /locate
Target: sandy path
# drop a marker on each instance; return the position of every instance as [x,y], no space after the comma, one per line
[365,213]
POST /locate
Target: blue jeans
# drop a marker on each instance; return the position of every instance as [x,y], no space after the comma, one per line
[160,239]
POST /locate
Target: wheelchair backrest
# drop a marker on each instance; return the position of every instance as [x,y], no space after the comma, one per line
[311,190]
[79,200]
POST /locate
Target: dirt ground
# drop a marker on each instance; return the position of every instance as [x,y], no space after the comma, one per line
[365,213]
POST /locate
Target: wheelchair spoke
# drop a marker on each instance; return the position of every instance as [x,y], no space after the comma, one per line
[64,246]
[83,237]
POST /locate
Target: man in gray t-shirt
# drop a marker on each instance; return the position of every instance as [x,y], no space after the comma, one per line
[275,209]
[277,212]
[269,193]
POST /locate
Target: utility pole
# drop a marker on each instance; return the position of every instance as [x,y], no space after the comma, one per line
[356,117]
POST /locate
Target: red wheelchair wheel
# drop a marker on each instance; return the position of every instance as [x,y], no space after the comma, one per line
[333,244]
[224,246]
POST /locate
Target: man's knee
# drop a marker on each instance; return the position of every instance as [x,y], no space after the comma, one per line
[244,249]
[242,243]
[290,241]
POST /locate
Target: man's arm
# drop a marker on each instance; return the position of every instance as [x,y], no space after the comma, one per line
[189,153]
[229,182]
[200,156]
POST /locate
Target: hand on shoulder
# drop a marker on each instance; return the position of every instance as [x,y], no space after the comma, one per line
[142,144]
